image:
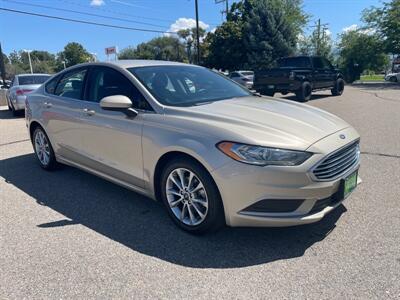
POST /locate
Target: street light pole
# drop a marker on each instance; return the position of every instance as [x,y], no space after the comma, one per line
[197,32]
[29,58]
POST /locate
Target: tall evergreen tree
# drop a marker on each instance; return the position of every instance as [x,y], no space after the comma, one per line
[268,34]
[256,33]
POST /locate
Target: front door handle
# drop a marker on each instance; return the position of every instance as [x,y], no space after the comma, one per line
[89,112]
[47,104]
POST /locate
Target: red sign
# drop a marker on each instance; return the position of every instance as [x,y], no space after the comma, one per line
[111,50]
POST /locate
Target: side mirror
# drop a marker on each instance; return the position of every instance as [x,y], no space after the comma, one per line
[118,103]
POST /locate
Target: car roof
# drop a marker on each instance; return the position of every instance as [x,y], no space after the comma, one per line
[34,74]
[132,63]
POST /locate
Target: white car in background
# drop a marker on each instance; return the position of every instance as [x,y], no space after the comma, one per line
[22,85]
[245,78]
[392,77]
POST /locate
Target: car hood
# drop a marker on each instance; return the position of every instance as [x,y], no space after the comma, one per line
[265,121]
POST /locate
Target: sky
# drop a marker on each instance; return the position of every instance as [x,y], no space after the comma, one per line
[19,31]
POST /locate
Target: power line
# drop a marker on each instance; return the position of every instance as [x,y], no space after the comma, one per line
[84,22]
[119,13]
[169,21]
[82,13]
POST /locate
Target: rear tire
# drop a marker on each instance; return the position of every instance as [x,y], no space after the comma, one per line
[303,94]
[191,197]
[43,150]
[14,112]
[338,87]
[8,104]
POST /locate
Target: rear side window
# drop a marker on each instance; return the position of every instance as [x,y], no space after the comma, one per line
[106,82]
[248,73]
[71,84]
[321,63]
[51,85]
[29,79]
[294,62]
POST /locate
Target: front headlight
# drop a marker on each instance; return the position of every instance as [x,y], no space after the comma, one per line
[263,156]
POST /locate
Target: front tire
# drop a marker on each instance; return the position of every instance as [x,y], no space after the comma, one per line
[303,94]
[338,87]
[43,150]
[191,197]
[393,79]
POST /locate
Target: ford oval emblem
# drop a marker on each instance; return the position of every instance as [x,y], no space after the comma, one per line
[342,136]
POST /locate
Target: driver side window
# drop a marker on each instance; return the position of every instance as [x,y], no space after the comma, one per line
[105,81]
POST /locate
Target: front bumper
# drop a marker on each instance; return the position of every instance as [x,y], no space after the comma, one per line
[242,186]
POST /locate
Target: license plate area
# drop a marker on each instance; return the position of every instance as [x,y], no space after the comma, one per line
[348,184]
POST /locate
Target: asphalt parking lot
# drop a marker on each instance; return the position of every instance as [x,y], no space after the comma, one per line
[68,234]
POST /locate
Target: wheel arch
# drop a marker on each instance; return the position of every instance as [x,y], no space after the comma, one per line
[32,126]
[164,159]
[35,124]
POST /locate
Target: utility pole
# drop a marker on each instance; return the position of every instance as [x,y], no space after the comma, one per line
[226,11]
[318,37]
[29,58]
[197,32]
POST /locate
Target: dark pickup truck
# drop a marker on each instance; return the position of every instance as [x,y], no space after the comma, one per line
[300,75]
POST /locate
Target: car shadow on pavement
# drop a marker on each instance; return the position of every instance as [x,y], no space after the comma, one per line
[6,114]
[313,97]
[143,225]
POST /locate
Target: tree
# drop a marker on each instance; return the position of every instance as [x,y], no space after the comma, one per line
[42,62]
[127,53]
[3,62]
[160,48]
[256,33]
[312,45]
[189,37]
[226,47]
[386,22]
[270,32]
[360,51]
[74,53]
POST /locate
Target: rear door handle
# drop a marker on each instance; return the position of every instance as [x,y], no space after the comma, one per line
[47,104]
[89,112]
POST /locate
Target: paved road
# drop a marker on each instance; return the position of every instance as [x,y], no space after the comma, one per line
[71,235]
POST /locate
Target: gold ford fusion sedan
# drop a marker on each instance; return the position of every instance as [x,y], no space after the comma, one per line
[209,149]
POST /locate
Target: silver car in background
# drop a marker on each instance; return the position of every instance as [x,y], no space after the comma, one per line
[392,77]
[22,85]
[245,78]
[212,151]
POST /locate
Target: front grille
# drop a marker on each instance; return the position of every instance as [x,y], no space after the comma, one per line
[338,163]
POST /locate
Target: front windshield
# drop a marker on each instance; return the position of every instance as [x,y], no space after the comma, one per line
[176,85]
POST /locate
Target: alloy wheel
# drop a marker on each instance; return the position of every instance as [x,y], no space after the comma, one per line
[187,196]
[42,148]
